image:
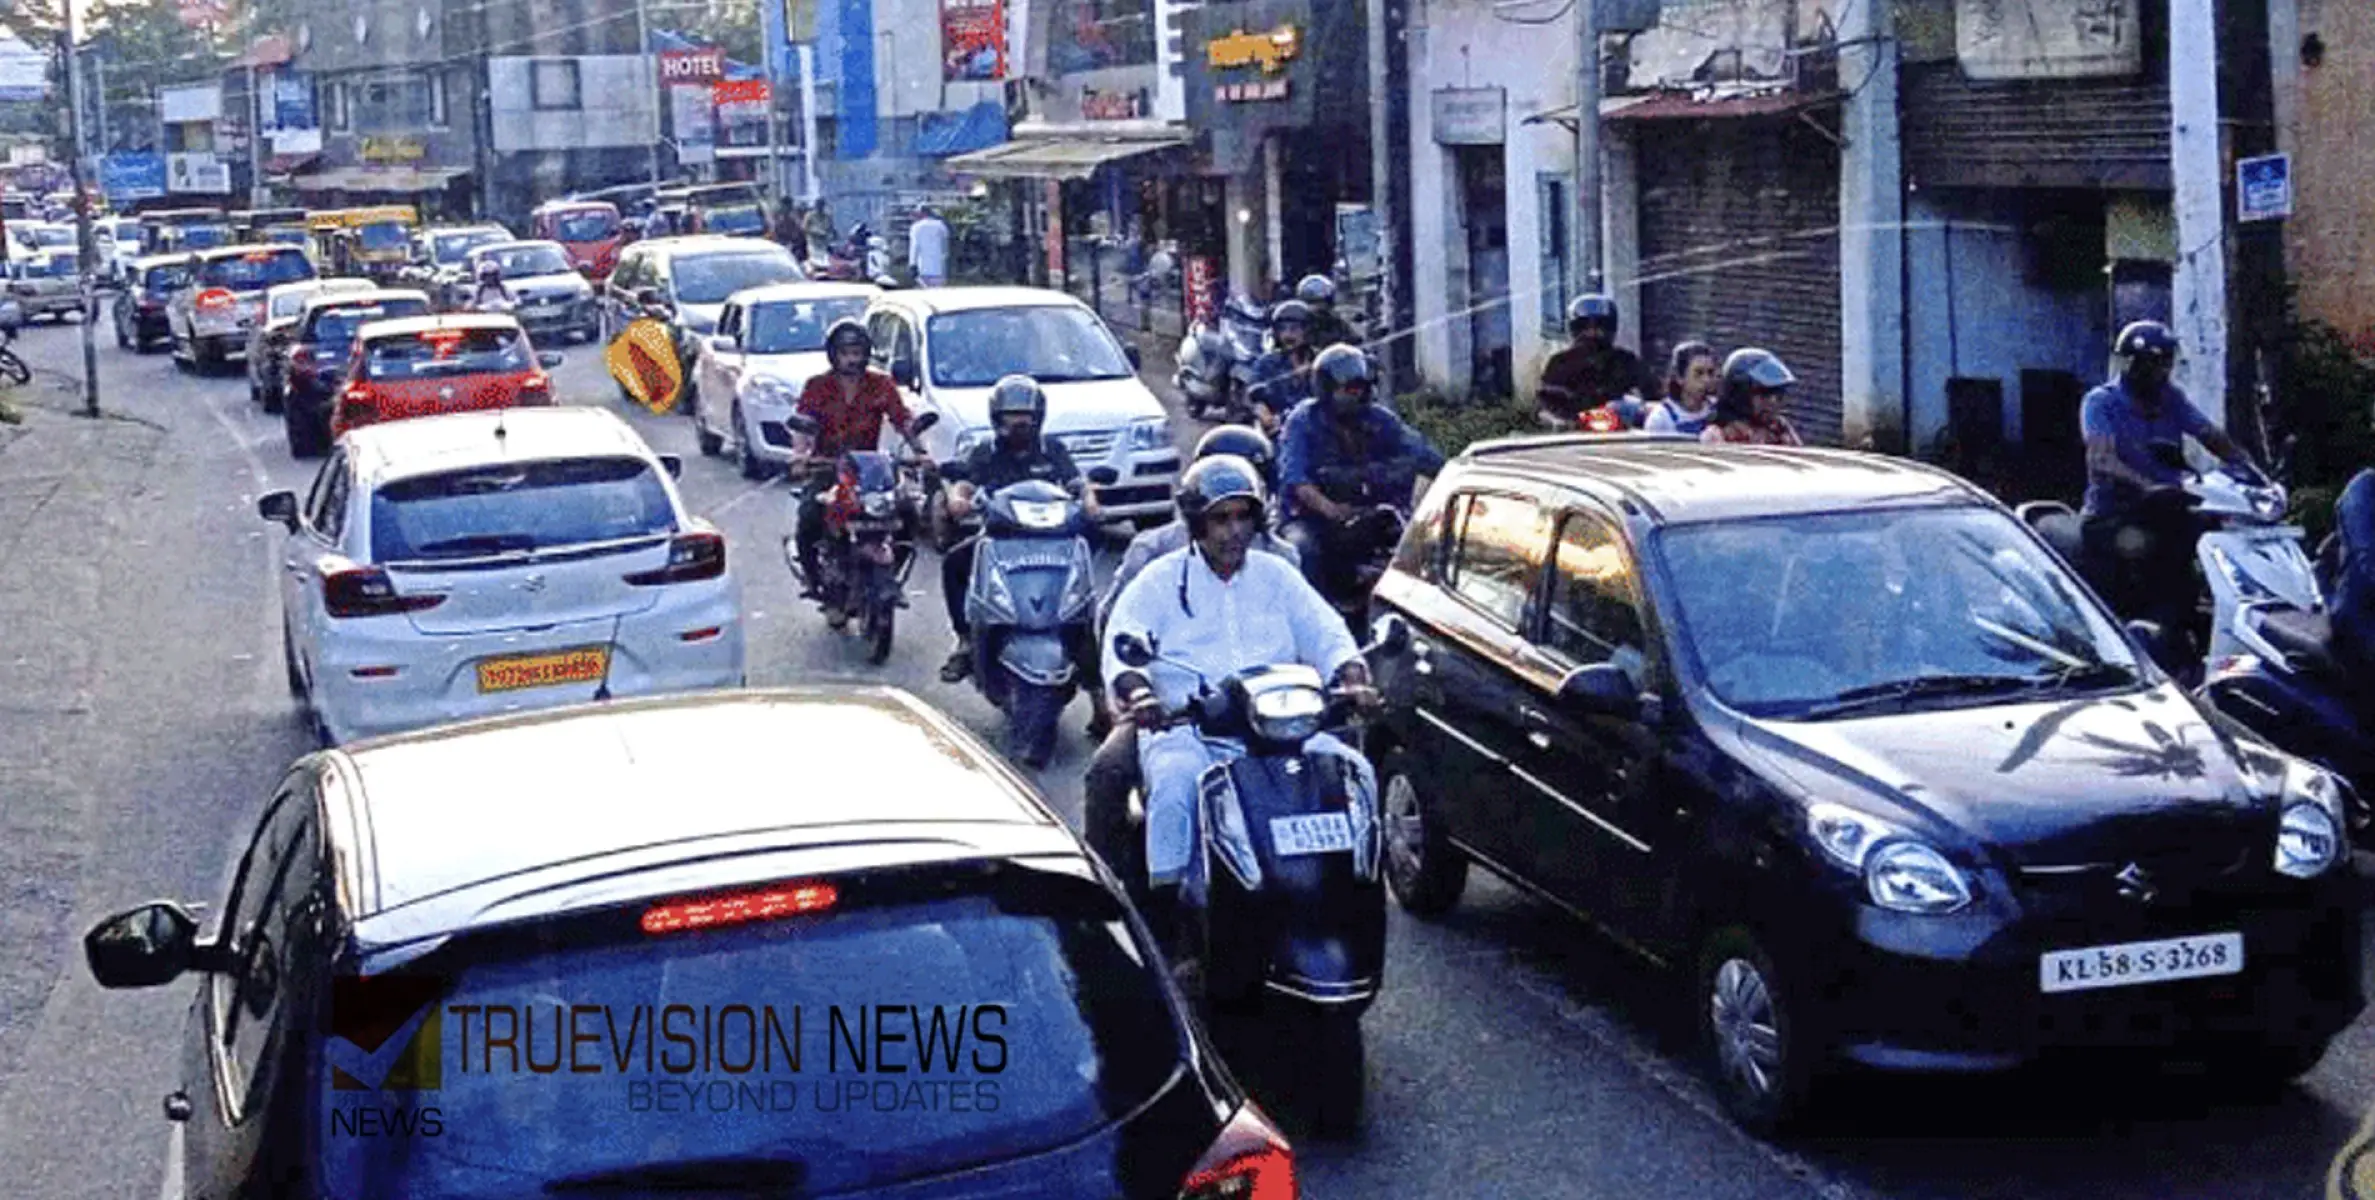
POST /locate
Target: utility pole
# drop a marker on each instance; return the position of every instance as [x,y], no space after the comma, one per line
[99,84]
[1587,145]
[1382,157]
[255,141]
[808,191]
[659,93]
[85,260]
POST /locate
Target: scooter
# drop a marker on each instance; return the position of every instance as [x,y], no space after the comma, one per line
[1364,546]
[1216,360]
[2289,687]
[1292,923]
[1032,598]
[869,546]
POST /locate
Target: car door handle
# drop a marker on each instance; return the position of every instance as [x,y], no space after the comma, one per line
[1537,727]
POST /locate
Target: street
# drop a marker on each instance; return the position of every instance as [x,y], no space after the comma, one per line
[1513,1053]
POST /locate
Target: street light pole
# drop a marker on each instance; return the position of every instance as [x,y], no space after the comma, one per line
[659,93]
[85,260]
[1587,146]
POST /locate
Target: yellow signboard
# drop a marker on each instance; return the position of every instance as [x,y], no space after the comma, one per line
[394,149]
[643,360]
[1270,50]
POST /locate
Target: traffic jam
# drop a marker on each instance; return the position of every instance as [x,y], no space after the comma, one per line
[1269,744]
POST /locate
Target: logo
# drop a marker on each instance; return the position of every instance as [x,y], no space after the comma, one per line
[643,360]
[445,393]
[384,1034]
[2136,885]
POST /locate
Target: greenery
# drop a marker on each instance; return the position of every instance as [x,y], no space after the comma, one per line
[2328,407]
[1453,426]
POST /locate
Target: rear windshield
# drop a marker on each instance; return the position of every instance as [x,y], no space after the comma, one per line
[256,269]
[741,217]
[584,226]
[338,325]
[454,247]
[992,1023]
[517,506]
[166,279]
[54,266]
[436,353]
[386,235]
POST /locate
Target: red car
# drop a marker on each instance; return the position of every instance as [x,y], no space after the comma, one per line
[590,230]
[424,366]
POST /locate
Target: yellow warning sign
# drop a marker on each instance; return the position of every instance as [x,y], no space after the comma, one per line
[643,360]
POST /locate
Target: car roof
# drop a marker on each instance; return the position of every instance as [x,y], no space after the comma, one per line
[514,244]
[399,326]
[1675,479]
[705,243]
[392,450]
[330,299]
[962,298]
[560,793]
[246,248]
[817,290]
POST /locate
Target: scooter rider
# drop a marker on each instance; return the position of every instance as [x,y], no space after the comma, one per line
[2354,583]
[1342,428]
[849,403]
[1018,411]
[1318,294]
[1282,378]
[1218,608]
[1593,371]
[491,295]
[2139,535]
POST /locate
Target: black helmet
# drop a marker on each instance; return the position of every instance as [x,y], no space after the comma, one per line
[1291,310]
[1018,394]
[1593,309]
[2147,339]
[1210,481]
[1749,370]
[846,331]
[1241,441]
[1338,366]
[1316,289]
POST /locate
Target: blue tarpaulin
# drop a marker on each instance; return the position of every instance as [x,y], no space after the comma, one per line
[940,134]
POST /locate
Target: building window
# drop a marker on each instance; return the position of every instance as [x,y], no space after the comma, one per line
[437,111]
[552,84]
[394,104]
[342,115]
[1089,35]
[1552,190]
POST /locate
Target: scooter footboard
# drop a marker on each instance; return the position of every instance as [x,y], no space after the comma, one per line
[1311,920]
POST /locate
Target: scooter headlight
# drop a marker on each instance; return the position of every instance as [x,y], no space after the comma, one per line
[878,504]
[2267,503]
[1040,514]
[1288,714]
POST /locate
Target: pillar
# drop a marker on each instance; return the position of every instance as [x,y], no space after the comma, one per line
[1871,236]
[1620,234]
[2198,299]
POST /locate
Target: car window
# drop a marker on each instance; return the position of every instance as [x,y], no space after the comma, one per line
[334,503]
[1497,545]
[267,901]
[903,348]
[290,304]
[517,506]
[729,322]
[335,325]
[1594,613]
[437,353]
[879,329]
[586,226]
[167,278]
[256,269]
[321,488]
[710,278]
[796,326]
[1052,343]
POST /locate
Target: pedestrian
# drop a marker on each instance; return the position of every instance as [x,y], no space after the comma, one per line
[927,248]
[791,229]
[820,227]
[1690,392]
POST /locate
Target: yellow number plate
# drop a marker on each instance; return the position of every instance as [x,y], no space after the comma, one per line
[582,665]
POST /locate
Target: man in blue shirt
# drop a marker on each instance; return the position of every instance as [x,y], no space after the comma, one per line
[2139,532]
[1343,453]
[2354,576]
[1282,378]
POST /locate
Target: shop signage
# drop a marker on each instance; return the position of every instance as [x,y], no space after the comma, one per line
[1270,51]
[1239,93]
[693,121]
[393,149]
[741,91]
[198,173]
[132,175]
[1099,105]
[1200,279]
[1258,67]
[972,41]
[292,102]
[1470,116]
[2048,39]
[705,65]
[2264,188]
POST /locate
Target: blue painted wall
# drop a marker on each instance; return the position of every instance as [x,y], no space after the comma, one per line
[853,37]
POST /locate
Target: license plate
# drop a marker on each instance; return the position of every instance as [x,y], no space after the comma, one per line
[2130,963]
[1311,833]
[582,665]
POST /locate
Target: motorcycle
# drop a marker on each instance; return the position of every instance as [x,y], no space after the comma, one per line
[1216,360]
[1363,546]
[869,546]
[1031,599]
[862,257]
[1293,914]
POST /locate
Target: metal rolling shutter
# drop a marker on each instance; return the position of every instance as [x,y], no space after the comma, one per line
[1740,246]
[2062,133]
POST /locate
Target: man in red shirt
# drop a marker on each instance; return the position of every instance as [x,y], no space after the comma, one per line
[849,404]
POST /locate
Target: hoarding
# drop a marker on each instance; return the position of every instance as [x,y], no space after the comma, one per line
[973,40]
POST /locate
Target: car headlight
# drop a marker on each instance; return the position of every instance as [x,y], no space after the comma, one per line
[1152,433]
[2309,834]
[1900,872]
[769,394]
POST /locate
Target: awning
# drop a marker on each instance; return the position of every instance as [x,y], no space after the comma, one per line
[404,180]
[943,134]
[1057,158]
[1692,106]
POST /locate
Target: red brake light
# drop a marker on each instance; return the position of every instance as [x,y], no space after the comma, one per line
[1250,1160]
[691,556]
[368,592]
[215,298]
[737,908]
[536,389]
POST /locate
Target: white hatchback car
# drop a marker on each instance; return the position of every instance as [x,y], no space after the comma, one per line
[460,566]
[769,342]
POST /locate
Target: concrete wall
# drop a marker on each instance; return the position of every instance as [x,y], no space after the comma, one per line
[617,93]
[2330,240]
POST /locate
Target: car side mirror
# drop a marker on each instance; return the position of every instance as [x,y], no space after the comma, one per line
[279,506]
[1137,360]
[1104,476]
[548,359]
[1603,690]
[1134,651]
[673,464]
[143,947]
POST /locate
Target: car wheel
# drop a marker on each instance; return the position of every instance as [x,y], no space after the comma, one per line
[1425,871]
[754,468]
[1756,1037]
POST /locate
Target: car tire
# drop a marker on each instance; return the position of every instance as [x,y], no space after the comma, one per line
[1425,872]
[754,468]
[1758,1042]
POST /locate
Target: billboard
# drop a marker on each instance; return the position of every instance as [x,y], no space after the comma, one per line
[692,118]
[24,71]
[132,175]
[972,40]
[202,174]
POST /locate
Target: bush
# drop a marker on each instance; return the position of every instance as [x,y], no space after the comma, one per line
[1452,427]
[2328,406]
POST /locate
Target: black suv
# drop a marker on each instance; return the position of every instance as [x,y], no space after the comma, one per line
[1835,735]
[317,354]
[140,307]
[580,952]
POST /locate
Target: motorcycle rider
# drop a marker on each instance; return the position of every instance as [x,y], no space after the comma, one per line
[490,295]
[2139,533]
[849,403]
[1691,379]
[1220,609]
[1282,378]
[1592,372]
[1343,429]
[1328,328]
[1018,411]
[1748,401]
[2354,583]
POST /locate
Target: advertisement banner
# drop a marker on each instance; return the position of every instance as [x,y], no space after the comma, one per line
[706,65]
[973,40]
[292,102]
[2049,39]
[201,174]
[693,117]
[132,175]
[1201,283]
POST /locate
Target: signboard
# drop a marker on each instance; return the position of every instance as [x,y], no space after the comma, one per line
[705,65]
[1200,281]
[740,91]
[692,118]
[643,361]
[2264,188]
[972,40]
[1255,68]
[297,141]
[132,175]
[292,102]
[200,173]
[1101,105]
[2048,39]
[1358,247]
[181,105]
[393,149]
[24,71]
[799,21]
[1470,116]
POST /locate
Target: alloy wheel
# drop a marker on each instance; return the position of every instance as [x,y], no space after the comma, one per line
[1747,1027]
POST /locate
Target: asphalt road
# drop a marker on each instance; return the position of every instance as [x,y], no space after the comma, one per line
[1513,1054]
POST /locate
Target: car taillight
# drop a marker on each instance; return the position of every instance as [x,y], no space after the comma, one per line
[536,389]
[356,406]
[215,299]
[368,592]
[691,556]
[1250,1160]
[740,908]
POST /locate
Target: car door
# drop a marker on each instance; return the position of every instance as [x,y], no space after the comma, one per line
[618,293]
[321,523]
[1591,779]
[721,365]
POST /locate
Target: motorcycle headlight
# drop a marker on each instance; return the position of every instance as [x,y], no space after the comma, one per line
[2309,838]
[1901,873]
[1039,514]
[1152,433]
[878,504]
[1289,714]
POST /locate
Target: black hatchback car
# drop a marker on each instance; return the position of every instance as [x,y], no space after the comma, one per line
[803,942]
[139,309]
[1837,737]
[317,353]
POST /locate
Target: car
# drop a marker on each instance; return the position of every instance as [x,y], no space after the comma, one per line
[117,240]
[442,269]
[690,278]
[422,366]
[769,342]
[210,320]
[913,982]
[947,346]
[268,343]
[140,307]
[552,299]
[477,563]
[321,347]
[34,237]
[590,230]
[46,283]
[1836,736]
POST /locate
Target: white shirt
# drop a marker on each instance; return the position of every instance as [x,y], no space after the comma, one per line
[927,246]
[1265,615]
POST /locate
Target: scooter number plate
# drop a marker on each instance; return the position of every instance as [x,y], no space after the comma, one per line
[1311,833]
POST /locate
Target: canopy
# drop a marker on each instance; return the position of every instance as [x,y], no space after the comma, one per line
[1057,158]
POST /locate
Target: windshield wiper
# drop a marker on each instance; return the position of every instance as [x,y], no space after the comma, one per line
[731,1173]
[2083,675]
[1917,688]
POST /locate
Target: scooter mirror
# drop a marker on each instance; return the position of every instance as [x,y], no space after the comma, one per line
[924,421]
[800,423]
[1392,634]
[1134,651]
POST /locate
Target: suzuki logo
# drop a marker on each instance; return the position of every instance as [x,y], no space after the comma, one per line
[535,583]
[2135,885]
[445,393]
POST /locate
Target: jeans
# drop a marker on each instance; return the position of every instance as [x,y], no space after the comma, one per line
[1171,763]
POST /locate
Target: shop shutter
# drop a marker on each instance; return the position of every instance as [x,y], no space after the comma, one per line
[2110,134]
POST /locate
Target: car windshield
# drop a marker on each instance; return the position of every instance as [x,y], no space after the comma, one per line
[166,279]
[710,278]
[51,266]
[797,326]
[528,261]
[589,226]
[1797,616]
[438,353]
[49,235]
[256,269]
[384,235]
[201,237]
[1051,343]
[917,1027]
[337,326]
[454,247]
[738,218]
[517,507]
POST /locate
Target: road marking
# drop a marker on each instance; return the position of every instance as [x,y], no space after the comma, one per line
[268,636]
[174,1141]
[745,494]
